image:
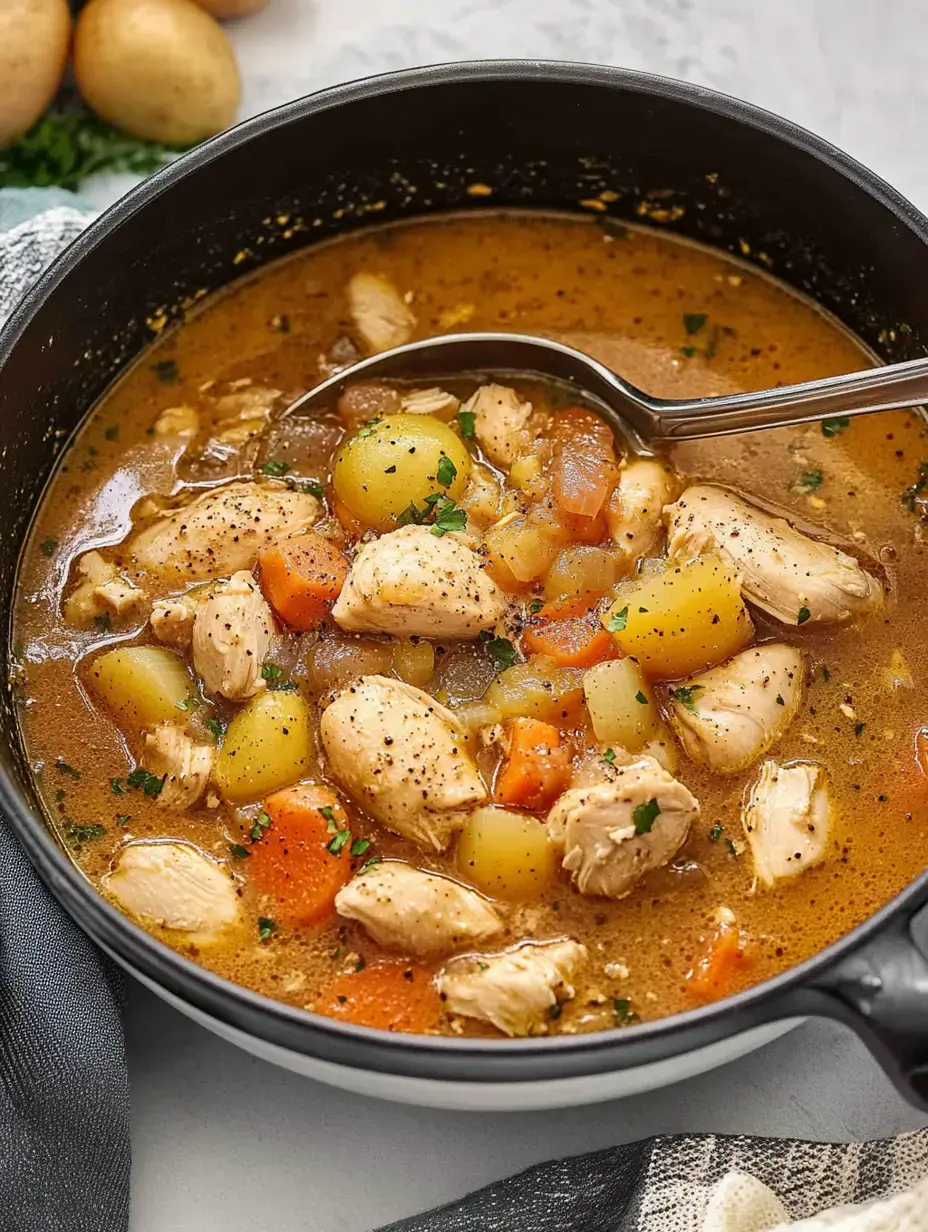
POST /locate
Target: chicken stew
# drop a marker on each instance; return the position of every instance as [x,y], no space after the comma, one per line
[445,712]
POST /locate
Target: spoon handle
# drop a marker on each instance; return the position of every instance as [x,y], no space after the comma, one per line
[857,393]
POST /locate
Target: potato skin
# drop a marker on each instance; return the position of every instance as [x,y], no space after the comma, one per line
[227,10]
[34,39]
[162,70]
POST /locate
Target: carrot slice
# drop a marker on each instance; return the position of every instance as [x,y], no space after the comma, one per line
[300,576]
[725,957]
[584,469]
[291,862]
[391,995]
[537,766]
[574,642]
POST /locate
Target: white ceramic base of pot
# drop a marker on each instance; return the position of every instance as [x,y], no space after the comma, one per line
[486,1096]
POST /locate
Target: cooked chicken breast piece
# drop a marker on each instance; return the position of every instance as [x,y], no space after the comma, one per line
[172,621]
[403,757]
[731,715]
[432,401]
[404,908]
[221,531]
[380,314]
[101,592]
[787,819]
[185,766]
[788,574]
[231,636]
[620,821]
[174,885]
[501,423]
[516,990]
[411,582]
[634,514]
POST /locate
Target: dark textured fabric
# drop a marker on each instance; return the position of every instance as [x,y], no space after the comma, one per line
[64,1100]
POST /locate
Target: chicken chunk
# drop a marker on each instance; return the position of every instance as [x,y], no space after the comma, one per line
[172,621]
[231,635]
[728,717]
[501,422]
[175,885]
[787,819]
[433,401]
[634,514]
[185,766]
[100,593]
[404,758]
[416,912]
[380,314]
[221,531]
[786,573]
[516,990]
[411,582]
[620,821]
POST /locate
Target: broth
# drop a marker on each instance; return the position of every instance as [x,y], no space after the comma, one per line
[677,321]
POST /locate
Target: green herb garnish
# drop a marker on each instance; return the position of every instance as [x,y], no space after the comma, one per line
[366,430]
[166,370]
[275,468]
[239,852]
[466,421]
[189,703]
[328,814]
[535,606]
[83,833]
[117,787]
[123,819]
[694,321]
[688,351]
[447,471]
[858,728]
[338,841]
[284,686]
[618,621]
[685,694]
[804,615]
[780,701]
[112,433]
[645,815]
[501,651]
[716,832]
[262,823]
[63,768]
[369,864]
[448,518]
[271,672]
[47,546]
[909,495]
[312,487]
[266,927]
[609,756]
[832,427]
[216,726]
[150,784]
[808,481]
[640,698]
[622,1008]
[359,846]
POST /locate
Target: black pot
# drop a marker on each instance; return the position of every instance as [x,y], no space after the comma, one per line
[546,135]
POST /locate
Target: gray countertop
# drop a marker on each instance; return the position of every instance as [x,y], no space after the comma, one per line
[222,1141]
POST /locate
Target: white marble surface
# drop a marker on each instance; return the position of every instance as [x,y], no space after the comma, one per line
[225,1142]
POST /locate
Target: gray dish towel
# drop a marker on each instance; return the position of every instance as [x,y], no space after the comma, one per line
[64,1106]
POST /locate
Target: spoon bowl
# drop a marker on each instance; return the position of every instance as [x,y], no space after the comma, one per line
[649,422]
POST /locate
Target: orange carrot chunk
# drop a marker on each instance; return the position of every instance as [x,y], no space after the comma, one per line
[537,766]
[725,958]
[391,995]
[300,577]
[293,862]
[575,642]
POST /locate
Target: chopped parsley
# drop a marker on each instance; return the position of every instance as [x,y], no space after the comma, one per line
[909,495]
[47,546]
[117,787]
[501,651]
[448,517]
[166,370]
[63,768]
[832,427]
[271,672]
[338,841]
[238,851]
[716,832]
[60,794]
[535,606]
[276,468]
[83,833]
[359,846]
[189,703]
[466,422]
[150,784]
[640,698]
[645,815]
[618,621]
[112,434]
[312,487]
[780,701]
[555,1011]
[412,515]
[216,726]
[284,686]
[328,814]
[609,756]
[858,728]
[447,471]
[688,351]
[369,864]
[808,481]
[123,819]
[685,694]
[262,824]
[622,1009]
[804,615]
[694,321]
[730,844]
[266,927]
[367,430]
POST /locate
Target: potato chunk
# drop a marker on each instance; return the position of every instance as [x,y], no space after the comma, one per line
[506,854]
[268,746]
[622,707]
[141,685]
[684,620]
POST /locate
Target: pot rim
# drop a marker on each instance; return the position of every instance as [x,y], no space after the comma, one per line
[448,1058]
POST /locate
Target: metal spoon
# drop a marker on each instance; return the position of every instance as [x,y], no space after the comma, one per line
[652,421]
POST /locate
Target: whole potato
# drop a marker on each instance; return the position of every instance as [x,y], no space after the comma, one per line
[34,40]
[162,70]
[225,10]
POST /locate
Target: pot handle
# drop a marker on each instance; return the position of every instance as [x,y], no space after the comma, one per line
[881,992]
